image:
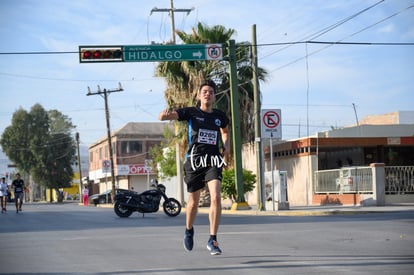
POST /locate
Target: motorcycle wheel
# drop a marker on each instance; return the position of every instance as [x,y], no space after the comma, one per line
[122,211]
[172,207]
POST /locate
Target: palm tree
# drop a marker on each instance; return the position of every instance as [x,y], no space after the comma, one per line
[183,78]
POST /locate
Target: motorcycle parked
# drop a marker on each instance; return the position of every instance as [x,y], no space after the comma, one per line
[146,202]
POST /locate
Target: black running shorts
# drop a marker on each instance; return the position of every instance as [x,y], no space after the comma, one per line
[196,179]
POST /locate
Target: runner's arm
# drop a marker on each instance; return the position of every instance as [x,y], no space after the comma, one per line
[168,115]
[226,142]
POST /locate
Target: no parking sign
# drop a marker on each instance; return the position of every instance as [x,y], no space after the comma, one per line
[106,166]
[271,123]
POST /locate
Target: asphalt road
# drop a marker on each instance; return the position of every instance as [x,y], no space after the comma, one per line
[72,239]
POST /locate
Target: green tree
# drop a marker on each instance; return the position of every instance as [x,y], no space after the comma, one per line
[164,156]
[228,185]
[15,141]
[39,143]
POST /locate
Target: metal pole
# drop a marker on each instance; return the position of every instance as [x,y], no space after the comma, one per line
[80,170]
[172,22]
[356,115]
[111,157]
[147,170]
[235,110]
[171,11]
[180,187]
[257,128]
[273,173]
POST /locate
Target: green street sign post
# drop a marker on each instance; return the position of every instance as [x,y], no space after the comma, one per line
[150,53]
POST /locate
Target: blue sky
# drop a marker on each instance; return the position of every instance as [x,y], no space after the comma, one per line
[314,93]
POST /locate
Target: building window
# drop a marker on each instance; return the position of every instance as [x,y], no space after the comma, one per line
[90,156]
[131,147]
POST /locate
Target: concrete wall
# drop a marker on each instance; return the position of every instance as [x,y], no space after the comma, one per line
[371,131]
[400,117]
[299,175]
[299,178]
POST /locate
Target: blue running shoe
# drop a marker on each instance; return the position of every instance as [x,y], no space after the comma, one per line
[188,239]
[212,246]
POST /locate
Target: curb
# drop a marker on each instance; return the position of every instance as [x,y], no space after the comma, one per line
[290,212]
[295,212]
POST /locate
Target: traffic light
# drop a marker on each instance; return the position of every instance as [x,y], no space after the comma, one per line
[89,54]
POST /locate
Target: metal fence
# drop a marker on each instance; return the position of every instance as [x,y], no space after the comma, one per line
[344,180]
[399,180]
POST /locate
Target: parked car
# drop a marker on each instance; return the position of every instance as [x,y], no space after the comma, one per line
[104,197]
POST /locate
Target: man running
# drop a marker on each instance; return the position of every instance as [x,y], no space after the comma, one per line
[207,127]
[18,185]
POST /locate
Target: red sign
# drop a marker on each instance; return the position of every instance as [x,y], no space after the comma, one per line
[214,52]
[271,124]
[271,119]
[138,169]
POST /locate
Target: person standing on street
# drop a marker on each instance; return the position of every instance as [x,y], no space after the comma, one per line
[85,193]
[18,185]
[3,194]
[207,127]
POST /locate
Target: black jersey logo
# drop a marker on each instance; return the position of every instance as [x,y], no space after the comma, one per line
[218,122]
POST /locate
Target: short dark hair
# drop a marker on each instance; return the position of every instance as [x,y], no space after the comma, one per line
[210,83]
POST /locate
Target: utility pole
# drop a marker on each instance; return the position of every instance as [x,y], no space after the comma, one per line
[257,125]
[179,165]
[80,169]
[105,94]
[171,11]
[235,123]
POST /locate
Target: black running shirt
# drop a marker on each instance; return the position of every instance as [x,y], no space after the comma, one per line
[203,129]
[18,185]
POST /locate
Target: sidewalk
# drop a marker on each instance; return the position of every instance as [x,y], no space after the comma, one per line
[319,210]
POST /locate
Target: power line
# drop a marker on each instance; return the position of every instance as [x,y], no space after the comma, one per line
[353,43]
[247,45]
[330,43]
[327,29]
[39,53]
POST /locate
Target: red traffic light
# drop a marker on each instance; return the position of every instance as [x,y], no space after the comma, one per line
[97,54]
[86,54]
[100,54]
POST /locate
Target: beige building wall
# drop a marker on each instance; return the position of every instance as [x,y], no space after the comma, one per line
[299,175]
[299,178]
[249,163]
[399,117]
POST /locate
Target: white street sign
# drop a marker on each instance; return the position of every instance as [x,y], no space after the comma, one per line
[106,166]
[271,123]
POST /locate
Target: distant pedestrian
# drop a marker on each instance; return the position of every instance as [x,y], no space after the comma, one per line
[3,194]
[85,193]
[18,185]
